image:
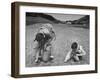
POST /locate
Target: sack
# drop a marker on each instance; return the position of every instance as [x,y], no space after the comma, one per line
[46,55]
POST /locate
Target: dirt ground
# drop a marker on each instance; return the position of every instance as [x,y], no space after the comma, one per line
[65,35]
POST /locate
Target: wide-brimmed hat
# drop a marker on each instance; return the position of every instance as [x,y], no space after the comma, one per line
[47,25]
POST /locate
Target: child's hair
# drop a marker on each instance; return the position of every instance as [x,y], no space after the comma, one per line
[74,45]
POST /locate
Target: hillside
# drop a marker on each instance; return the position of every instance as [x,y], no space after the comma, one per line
[84,21]
[32,18]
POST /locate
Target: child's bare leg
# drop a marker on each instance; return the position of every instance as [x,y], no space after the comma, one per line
[76,58]
[38,55]
[36,50]
[51,51]
[49,48]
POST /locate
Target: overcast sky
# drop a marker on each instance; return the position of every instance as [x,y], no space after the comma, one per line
[65,17]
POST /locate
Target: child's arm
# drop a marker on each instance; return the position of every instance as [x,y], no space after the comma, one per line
[54,35]
[81,51]
[37,31]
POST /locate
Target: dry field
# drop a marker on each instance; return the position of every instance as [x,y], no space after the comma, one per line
[65,35]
